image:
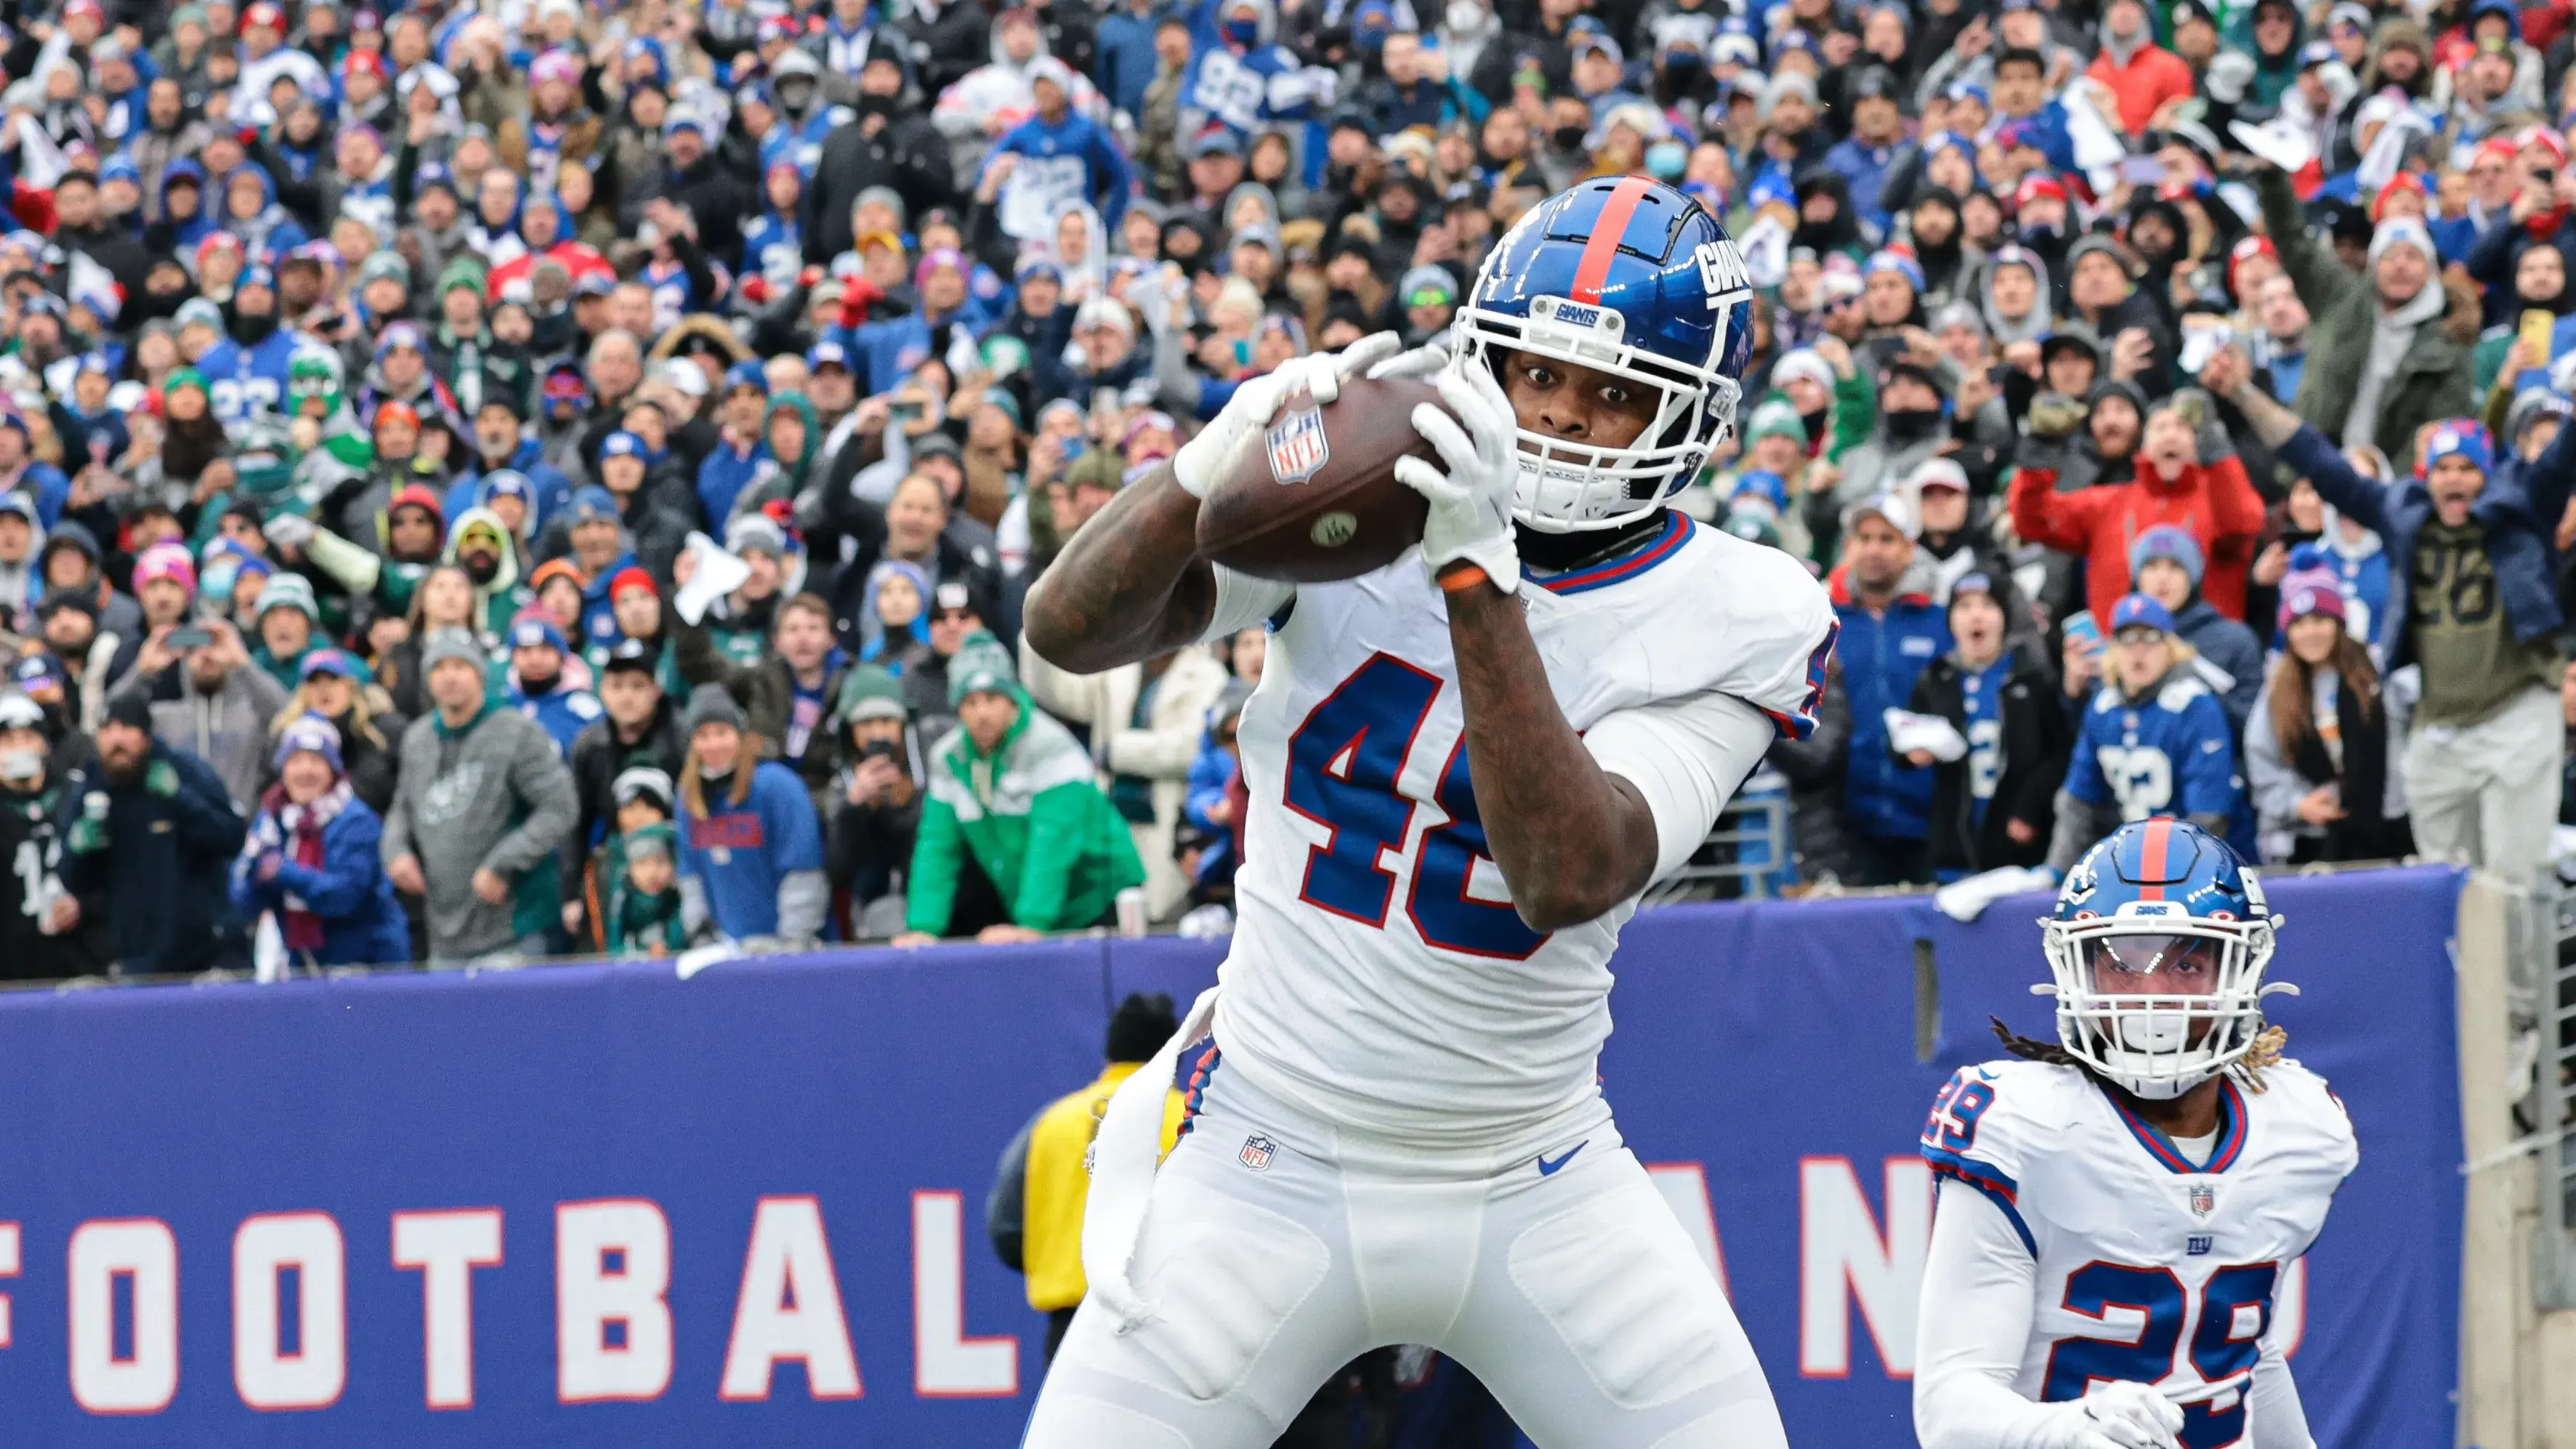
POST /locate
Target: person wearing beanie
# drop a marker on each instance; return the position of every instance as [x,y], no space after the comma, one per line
[2153,740]
[44,935]
[542,687]
[873,802]
[638,729]
[787,687]
[313,859]
[149,836]
[2186,474]
[751,850]
[2472,550]
[2165,565]
[2316,748]
[644,906]
[482,804]
[1034,1215]
[1012,788]
[287,618]
[1994,804]
[2382,361]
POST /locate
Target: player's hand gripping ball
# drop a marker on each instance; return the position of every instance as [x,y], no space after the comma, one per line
[1297,476]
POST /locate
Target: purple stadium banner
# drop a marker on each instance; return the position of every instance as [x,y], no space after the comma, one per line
[598,1205]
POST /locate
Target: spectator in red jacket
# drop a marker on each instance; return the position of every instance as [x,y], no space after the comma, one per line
[2188,475]
[2144,75]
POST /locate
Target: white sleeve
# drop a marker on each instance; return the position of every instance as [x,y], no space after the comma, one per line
[2278,1419]
[1244,602]
[1686,756]
[1971,1331]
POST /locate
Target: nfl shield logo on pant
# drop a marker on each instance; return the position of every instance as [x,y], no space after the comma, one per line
[1256,1152]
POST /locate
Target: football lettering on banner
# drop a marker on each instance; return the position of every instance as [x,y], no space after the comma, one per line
[267,1373]
[1685,1189]
[142,1253]
[1843,1256]
[789,1307]
[612,1316]
[946,1364]
[446,1247]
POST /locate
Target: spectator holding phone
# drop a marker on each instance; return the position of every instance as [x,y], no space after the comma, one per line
[874,803]
[222,704]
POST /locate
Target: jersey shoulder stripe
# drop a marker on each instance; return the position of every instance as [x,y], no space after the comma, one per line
[1991,1121]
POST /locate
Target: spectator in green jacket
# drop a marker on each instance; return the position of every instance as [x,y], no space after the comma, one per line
[1013,789]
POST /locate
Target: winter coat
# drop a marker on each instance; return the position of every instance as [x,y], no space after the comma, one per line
[2018,739]
[598,758]
[2215,503]
[1818,838]
[2279,779]
[160,858]
[2518,512]
[362,923]
[1041,831]
[2226,655]
[494,796]
[1882,655]
[2432,380]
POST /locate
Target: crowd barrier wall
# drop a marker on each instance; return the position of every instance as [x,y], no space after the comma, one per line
[600,1205]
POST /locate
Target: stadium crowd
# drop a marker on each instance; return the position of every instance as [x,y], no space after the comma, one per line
[507,480]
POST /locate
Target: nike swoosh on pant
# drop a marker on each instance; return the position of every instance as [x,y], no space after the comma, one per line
[1548,1169]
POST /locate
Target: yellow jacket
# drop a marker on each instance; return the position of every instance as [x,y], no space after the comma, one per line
[1055,1183]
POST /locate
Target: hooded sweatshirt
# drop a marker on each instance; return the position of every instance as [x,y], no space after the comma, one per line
[1035,821]
[2031,326]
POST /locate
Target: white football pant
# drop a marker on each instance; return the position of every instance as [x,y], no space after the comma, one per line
[1277,1248]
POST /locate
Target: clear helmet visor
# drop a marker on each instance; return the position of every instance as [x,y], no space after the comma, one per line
[2161,988]
[2159,1010]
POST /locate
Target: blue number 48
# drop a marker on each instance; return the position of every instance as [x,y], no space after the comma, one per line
[1344,762]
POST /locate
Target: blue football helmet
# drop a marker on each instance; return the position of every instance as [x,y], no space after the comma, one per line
[2158,946]
[1630,277]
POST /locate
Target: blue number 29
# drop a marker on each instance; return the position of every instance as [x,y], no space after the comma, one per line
[2218,1351]
[1343,765]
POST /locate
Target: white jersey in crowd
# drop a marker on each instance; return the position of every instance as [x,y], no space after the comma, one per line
[1379,975]
[2075,1244]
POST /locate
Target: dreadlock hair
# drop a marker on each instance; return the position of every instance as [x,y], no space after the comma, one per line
[2247,1068]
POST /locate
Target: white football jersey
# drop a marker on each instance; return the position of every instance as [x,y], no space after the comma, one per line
[2149,1269]
[1379,975]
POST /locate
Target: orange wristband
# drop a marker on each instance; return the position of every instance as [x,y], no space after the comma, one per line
[1461,576]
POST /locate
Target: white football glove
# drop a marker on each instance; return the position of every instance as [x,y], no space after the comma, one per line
[1257,401]
[286,530]
[2124,1416]
[1471,487]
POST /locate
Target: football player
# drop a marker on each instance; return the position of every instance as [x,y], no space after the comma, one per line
[2117,1209]
[1465,768]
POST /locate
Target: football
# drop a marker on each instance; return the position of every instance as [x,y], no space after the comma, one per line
[1313,497]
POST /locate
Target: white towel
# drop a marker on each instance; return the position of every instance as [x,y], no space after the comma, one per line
[1124,1155]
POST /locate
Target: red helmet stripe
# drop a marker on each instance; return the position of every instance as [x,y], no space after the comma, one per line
[1603,245]
[2151,859]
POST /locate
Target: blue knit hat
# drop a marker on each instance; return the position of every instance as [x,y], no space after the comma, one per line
[309,734]
[2137,611]
[2167,540]
[2461,438]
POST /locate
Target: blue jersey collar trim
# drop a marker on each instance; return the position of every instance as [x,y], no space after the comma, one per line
[1678,529]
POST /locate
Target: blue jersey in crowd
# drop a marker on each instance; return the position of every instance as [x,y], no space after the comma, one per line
[1982,697]
[2168,754]
[563,710]
[1882,655]
[740,854]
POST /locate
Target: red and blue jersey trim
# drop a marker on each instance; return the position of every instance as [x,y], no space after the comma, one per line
[1999,1188]
[2231,1133]
[1678,529]
[1197,1091]
[1802,724]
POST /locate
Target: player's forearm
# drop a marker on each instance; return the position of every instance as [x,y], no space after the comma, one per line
[1572,841]
[1128,585]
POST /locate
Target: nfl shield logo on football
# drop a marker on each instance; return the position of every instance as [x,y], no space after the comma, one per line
[2204,1199]
[1298,446]
[1256,1152]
